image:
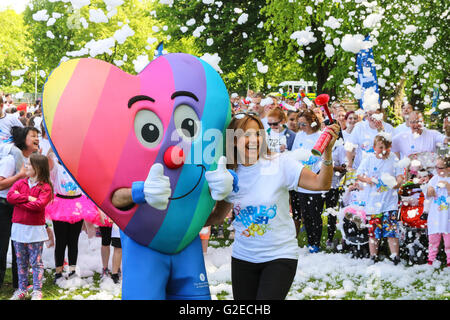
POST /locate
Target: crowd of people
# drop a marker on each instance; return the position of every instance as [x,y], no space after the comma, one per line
[370,148]
[384,181]
[41,204]
[360,178]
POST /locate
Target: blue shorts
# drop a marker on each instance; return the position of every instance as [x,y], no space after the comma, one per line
[152,275]
[384,225]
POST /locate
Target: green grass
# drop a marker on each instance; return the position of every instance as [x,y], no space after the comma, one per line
[51,291]
[312,289]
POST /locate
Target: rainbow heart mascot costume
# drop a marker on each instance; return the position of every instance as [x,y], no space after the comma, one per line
[108,128]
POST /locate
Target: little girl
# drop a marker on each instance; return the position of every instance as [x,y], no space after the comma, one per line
[67,211]
[30,196]
[438,192]
[352,219]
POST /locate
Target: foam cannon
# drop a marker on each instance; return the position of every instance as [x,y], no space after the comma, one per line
[325,137]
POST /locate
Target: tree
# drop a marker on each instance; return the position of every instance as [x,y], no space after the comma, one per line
[14,52]
[123,35]
[413,49]
[233,29]
[325,36]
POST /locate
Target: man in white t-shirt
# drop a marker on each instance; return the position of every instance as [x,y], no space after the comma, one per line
[404,127]
[418,139]
[363,135]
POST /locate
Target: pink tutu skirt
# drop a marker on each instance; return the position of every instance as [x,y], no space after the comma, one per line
[98,218]
[355,211]
[71,210]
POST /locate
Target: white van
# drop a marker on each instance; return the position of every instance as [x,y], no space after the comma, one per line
[293,86]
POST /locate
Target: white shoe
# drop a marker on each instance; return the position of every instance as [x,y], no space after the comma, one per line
[19,295]
[36,295]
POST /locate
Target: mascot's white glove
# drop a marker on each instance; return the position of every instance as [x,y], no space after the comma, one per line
[220,181]
[155,190]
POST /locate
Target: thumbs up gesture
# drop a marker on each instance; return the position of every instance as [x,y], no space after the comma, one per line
[220,181]
[157,187]
[155,190]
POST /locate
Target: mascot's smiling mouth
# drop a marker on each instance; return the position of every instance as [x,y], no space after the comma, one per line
[199,179]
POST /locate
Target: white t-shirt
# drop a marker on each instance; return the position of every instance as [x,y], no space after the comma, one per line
[401,128]
[7,169]
[63,183]
[265,123]
[380,197]
[37,123]
[438,218]
[354,198]
[306,142]
[408,143]
[363,136]
[264,228]
[115,231]
[28,234]
[345,134]
[275,140]
[44,144]
[339,158]
[6,123]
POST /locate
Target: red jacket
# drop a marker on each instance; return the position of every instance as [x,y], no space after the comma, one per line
[31,213]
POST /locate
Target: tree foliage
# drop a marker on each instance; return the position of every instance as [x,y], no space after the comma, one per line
[15,47]
[410,43]
[260,42]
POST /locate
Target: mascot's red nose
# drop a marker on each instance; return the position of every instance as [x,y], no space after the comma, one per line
[174,157]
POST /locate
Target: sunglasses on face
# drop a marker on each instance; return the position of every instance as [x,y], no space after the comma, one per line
[302,124]
[273,124]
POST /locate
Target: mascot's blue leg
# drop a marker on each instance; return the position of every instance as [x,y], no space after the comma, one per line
[145,271]
[188,280]
[152,275]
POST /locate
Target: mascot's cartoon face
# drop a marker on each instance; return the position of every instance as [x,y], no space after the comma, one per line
[109,127]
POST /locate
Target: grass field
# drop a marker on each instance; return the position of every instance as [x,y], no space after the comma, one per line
[326,275]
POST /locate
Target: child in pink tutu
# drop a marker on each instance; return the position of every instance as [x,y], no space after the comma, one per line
[352,220]
[354,203]
[67,211]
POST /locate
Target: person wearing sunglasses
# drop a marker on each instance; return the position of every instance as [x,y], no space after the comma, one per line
[265,249]
[438,223]
[310,214]
[279,137]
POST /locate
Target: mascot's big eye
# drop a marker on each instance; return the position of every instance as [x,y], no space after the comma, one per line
[186,122]
[148,128]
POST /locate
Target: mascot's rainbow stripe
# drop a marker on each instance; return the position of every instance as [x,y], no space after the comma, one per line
[92,128]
